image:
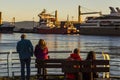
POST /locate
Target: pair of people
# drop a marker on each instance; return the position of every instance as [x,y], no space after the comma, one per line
[77,76]
[25,49]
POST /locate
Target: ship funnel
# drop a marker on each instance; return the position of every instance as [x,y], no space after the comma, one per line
[112,10]
[118,10]
[0,18]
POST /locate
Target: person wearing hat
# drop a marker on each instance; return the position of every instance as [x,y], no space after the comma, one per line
[25,49]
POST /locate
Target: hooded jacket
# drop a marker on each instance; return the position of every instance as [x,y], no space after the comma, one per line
[73,56]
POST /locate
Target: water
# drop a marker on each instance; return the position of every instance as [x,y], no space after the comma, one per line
[108,44]
[64,42]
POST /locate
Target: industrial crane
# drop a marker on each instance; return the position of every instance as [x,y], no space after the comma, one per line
[79,14]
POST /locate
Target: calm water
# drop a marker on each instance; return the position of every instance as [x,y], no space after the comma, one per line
[108,44]
[64,42]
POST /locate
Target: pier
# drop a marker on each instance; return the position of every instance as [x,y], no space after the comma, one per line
[10,66]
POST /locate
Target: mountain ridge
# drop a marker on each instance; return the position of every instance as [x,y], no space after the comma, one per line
[23,24]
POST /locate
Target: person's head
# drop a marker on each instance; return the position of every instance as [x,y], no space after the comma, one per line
[23,36]
[91,55]
[76,51]
[42,43]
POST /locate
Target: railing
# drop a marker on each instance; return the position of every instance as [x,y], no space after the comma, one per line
[4,64]
[10,65]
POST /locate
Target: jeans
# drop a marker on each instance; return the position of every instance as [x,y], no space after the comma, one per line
[23,63]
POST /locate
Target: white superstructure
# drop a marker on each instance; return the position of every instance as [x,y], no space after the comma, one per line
[112,19]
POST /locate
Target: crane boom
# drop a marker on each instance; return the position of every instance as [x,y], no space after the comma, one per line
[79,13]
[91,13]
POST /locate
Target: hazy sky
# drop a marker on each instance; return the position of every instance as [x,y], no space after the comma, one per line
[24,10]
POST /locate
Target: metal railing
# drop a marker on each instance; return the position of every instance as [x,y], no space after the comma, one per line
[10,65]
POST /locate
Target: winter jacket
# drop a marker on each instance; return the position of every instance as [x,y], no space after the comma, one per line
[25,49]
[41,53]
[73,56]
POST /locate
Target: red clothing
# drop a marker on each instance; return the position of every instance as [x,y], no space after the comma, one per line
[73,56]
[41,53]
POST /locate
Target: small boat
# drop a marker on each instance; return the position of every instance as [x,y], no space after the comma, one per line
[48,25]
[102,25]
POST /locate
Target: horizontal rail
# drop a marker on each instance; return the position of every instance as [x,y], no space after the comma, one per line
[3,61]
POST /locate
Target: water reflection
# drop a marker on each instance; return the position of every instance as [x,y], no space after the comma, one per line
[64,42]
[68,43]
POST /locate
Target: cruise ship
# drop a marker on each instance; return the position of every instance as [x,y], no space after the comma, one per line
[102,25]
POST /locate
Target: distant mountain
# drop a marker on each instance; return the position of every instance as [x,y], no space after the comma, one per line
[6,22]
[25,24]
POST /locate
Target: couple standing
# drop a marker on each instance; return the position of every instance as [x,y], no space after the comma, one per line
[25,49]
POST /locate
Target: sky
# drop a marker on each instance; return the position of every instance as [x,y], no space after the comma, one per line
[28,10]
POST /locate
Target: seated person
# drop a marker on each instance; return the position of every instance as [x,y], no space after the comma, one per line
[87,76]
[74,56]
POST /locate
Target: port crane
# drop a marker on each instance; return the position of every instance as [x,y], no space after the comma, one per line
[79,14]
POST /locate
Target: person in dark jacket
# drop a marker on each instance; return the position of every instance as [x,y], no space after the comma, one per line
[25,49]
[87,76]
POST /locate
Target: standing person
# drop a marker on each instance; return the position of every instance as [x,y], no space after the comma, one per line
[25,50]
[74,56]
[41,52]
[87,76]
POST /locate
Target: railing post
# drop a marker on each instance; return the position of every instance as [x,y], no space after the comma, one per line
[8,63]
